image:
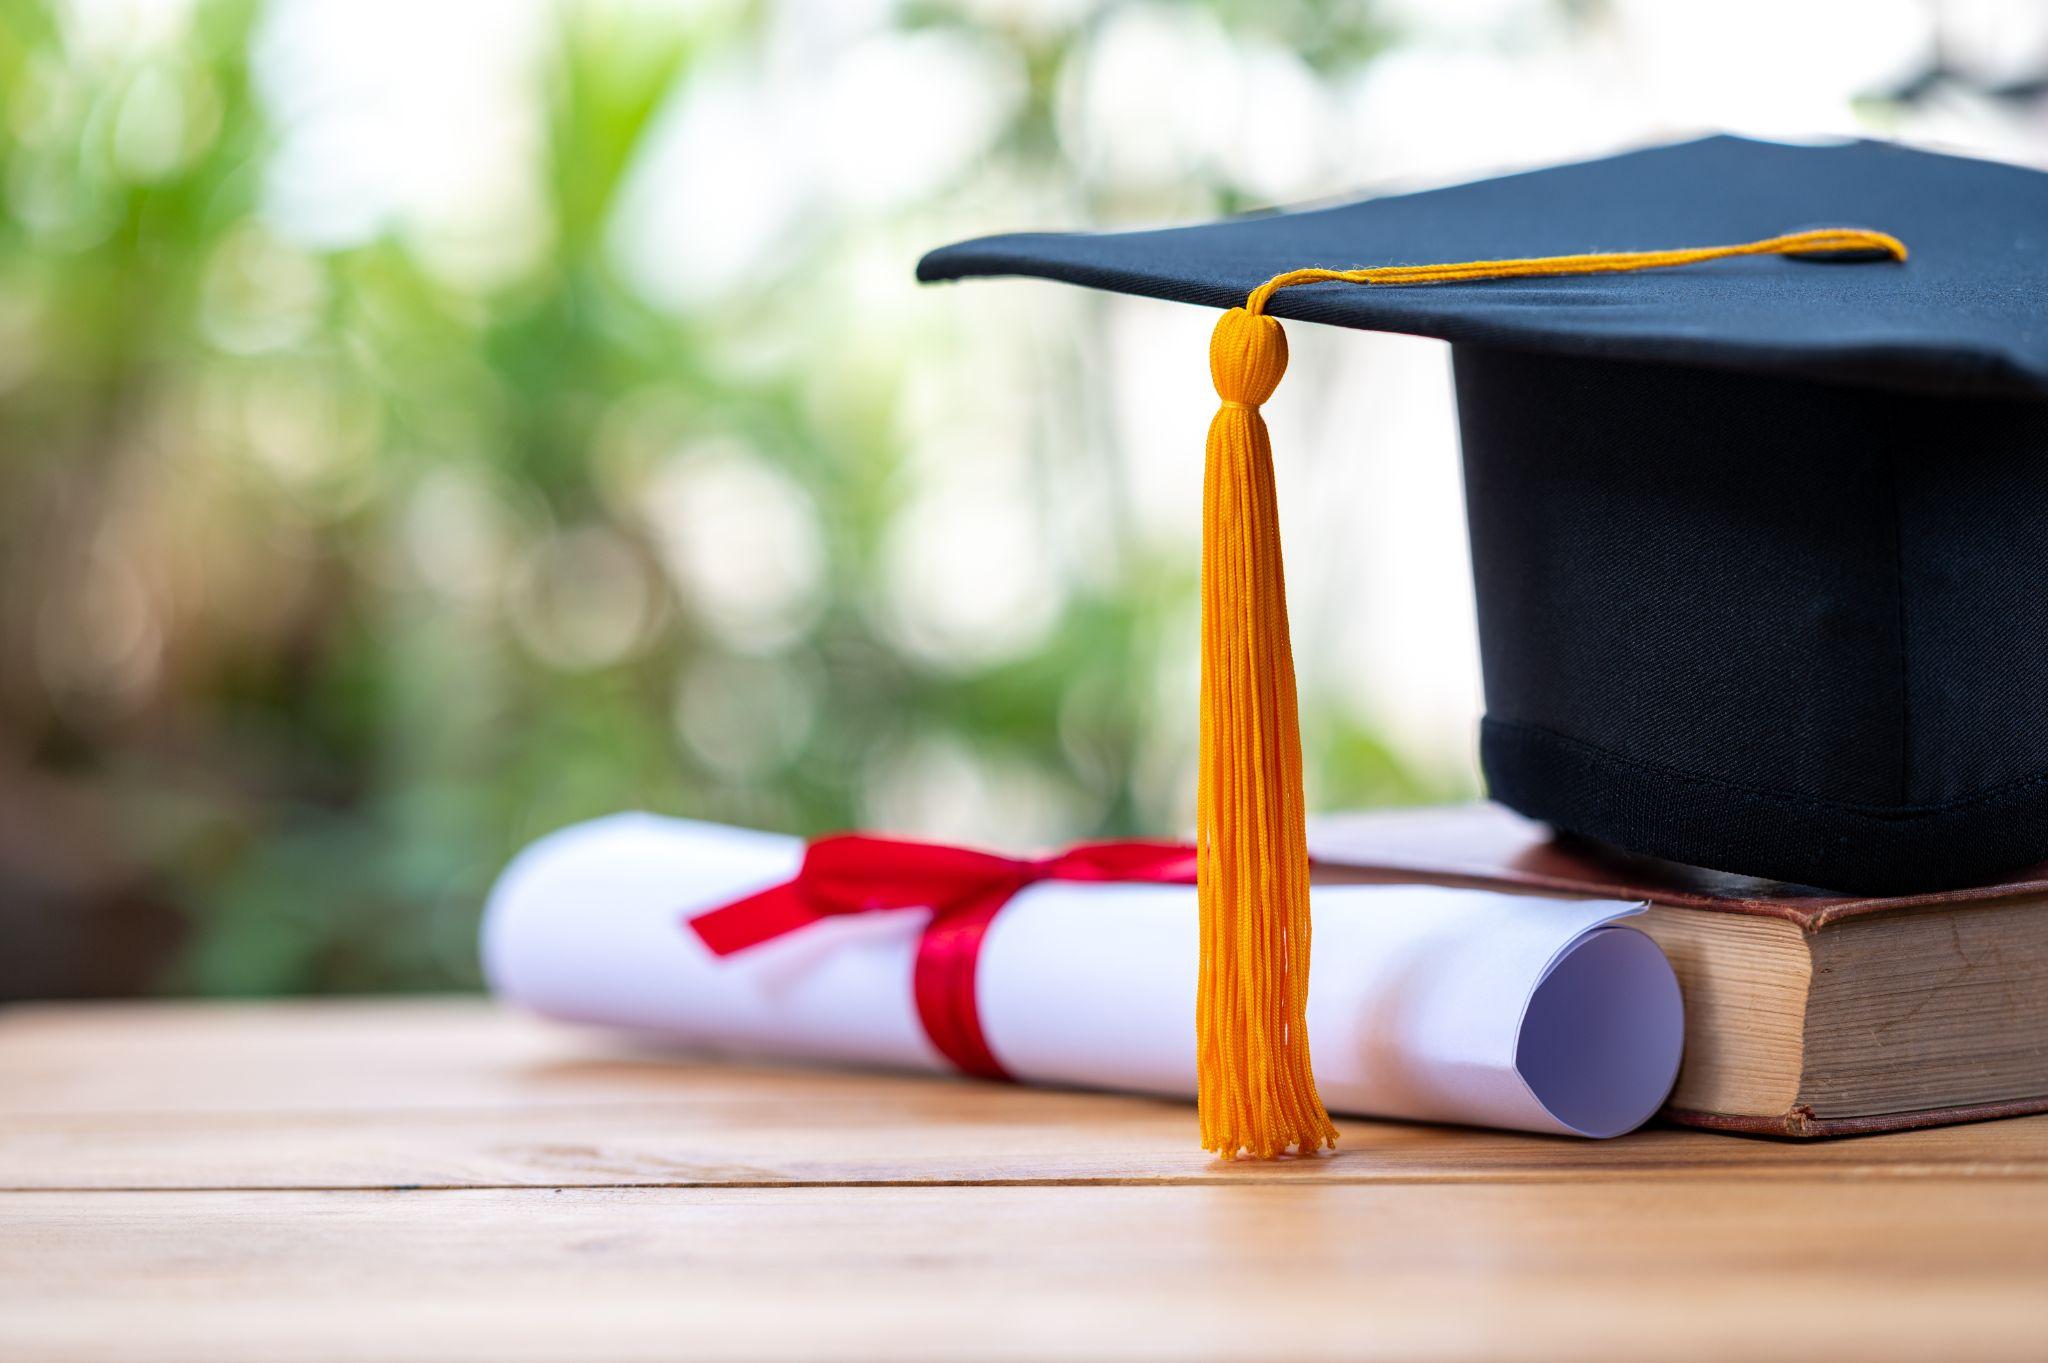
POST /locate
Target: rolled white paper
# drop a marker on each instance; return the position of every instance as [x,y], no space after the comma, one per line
[1433,1004]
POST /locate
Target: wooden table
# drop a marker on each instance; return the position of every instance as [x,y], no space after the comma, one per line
[441,1180]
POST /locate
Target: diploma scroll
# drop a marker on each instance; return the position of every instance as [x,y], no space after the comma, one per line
[1433,1004]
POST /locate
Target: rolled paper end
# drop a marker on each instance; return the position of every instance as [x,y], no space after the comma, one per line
[1602,1035]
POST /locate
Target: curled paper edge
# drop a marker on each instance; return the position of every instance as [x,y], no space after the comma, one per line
[1601,1037]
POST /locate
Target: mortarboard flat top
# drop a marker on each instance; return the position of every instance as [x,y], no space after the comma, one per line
[1967,314]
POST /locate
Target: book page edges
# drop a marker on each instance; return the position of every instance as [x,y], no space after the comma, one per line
[1746,982]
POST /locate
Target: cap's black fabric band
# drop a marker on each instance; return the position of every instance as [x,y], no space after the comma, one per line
[1857,848]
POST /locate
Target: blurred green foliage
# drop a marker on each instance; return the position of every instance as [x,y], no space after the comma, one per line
[327,580]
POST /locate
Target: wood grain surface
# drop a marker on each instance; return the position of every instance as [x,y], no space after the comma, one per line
[442,1180]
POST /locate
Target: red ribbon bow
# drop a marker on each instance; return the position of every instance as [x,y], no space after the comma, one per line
[965,890]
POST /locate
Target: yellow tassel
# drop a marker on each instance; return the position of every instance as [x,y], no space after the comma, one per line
[1256,1087]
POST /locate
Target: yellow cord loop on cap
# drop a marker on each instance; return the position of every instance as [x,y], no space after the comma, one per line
[1819,241]
[1256,1087]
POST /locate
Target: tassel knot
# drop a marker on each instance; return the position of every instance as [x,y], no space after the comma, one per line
[1247,357]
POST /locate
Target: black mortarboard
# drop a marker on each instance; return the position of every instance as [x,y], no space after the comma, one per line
[1759,545]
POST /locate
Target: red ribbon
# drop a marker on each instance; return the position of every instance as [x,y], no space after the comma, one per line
[965,890]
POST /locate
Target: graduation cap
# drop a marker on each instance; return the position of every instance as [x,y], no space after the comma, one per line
[1758,542]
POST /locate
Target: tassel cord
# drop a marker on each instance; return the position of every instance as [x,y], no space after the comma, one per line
[1256,1088]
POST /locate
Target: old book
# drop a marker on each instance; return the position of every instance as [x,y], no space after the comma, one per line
[1808,1013]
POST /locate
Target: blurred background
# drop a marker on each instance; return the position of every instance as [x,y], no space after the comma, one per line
[424,423]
